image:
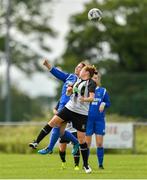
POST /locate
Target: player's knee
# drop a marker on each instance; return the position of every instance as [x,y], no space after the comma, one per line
[81,137]
[62,149]
[55,122]
[88,143]
[81,140]
[51,123]
[99,144]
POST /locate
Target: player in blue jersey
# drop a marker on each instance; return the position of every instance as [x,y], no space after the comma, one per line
[96,118]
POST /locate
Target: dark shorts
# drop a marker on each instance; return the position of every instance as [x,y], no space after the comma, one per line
[79,121]
[64,140]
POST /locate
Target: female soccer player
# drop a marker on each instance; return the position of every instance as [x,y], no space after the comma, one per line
[96,118]
[76,110]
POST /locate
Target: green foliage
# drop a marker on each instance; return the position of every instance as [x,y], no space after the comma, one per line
[122,29]
[128,93]
[23,107]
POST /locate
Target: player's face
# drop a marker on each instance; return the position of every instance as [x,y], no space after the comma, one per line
[96,78]
[84,74]
[78,69]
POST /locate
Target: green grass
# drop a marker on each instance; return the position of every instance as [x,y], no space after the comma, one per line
[34,166]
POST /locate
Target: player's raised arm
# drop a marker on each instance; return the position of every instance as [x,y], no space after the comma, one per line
[55,71]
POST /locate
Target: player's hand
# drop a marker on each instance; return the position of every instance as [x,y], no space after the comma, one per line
[47,64]
[69,90]
[55,111]
[102,107]
[81,99]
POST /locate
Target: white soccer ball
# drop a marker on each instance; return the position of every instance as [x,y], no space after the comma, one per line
[95,14]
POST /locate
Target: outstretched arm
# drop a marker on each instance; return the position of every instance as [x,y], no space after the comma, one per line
[55,71]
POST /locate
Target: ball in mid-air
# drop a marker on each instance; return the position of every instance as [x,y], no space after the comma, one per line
[95,14]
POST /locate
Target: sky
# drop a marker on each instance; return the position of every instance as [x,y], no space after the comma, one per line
[39,83]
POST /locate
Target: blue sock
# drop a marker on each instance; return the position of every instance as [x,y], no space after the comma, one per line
[70,137]
[100,155]
[54,138]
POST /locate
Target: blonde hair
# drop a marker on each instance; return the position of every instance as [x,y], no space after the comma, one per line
[84,62]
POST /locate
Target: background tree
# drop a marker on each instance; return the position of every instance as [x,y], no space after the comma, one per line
[116,43]
[30,28]
[25,108]
[30,34]
[117,46]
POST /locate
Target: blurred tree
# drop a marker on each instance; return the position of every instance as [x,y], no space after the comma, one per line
[30,30]
[25,108]
[116,43]
[128,93]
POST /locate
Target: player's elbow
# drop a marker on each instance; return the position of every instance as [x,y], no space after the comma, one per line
[108,104]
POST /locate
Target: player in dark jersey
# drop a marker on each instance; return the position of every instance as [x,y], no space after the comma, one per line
[96,118]
[76,110]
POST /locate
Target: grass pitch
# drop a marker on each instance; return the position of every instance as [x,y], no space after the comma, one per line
[34,166]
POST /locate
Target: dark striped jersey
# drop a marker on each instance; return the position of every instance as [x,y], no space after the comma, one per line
[80,88]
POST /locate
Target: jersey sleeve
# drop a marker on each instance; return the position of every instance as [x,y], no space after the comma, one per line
[91,86]
[59,74]
[106,99]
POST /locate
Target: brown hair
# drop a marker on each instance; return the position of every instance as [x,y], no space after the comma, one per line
[84,63]
[91,69]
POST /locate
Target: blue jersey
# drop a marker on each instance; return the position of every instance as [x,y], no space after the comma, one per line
[96,119]
[67,79]
[101,95]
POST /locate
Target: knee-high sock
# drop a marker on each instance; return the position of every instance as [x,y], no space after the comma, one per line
[55,134]
[77,158]
[100,155]
[62,156]
[84,152]
[67,135]
[46,130]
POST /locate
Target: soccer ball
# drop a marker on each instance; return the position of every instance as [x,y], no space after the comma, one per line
[94,15]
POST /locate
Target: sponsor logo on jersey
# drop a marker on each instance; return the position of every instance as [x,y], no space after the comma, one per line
[83,126]
[96,101]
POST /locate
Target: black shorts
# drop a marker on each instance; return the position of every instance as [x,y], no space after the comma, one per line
[79,121]
[64,140]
